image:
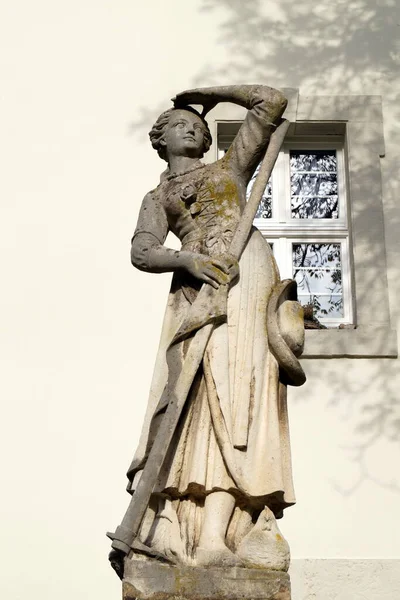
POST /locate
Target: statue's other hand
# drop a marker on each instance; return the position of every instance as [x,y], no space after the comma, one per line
[214,271]
[230,266]
[204,96]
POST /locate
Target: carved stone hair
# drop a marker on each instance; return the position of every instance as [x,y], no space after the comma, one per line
[157,131]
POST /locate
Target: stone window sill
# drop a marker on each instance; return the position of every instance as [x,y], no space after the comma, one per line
[364,342]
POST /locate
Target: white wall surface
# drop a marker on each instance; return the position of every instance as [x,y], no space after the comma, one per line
[81,84]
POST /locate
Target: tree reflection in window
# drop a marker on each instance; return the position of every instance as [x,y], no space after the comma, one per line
[264,210]
[317,269]
[314,186]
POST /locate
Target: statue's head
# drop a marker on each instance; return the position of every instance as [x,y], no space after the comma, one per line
[180,132]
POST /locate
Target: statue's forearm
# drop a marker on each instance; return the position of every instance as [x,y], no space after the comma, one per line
[163,260]
[247,96]
[244,95]
[148,255]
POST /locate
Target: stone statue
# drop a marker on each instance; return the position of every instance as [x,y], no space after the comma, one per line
[225,475]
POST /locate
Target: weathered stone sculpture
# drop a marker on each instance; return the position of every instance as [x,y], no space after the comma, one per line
[213,469]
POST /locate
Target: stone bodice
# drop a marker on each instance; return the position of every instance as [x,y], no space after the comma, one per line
[203,207]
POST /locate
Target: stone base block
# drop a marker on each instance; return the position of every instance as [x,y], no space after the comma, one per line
[153,580]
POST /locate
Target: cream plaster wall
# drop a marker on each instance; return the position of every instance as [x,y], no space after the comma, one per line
[81,82]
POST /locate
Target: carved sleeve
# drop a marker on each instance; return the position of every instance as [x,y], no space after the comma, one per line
[266,107]
[149,237]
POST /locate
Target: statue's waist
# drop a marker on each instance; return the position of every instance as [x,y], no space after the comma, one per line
[214,240]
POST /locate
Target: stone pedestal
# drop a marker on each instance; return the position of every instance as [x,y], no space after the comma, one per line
[153,580]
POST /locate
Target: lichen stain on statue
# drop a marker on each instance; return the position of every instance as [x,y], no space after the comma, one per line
[212,471]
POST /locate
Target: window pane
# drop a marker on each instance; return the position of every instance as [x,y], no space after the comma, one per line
[315,207]
[313,160]
[313,181]
[317,255]
[319,281]
[317,270]
[324,306]
[306,184]
[264,210]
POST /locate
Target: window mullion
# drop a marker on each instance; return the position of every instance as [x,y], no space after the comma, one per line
[342,191]
[278,189]
[286,269]
[285,203]
[346,282]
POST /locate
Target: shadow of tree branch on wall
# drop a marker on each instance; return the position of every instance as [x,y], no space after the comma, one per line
[307,42]
[373,398]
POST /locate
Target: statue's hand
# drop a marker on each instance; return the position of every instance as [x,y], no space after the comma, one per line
[214,271]
[231,266]
[204,96]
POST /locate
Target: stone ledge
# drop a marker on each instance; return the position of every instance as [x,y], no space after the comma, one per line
[364,342]
[153,580]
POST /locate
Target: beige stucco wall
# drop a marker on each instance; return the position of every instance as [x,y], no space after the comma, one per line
[81,82]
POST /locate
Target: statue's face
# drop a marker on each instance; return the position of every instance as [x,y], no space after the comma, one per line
[184,134]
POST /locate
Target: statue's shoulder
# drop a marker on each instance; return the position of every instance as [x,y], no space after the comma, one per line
[153,194]
[154,198]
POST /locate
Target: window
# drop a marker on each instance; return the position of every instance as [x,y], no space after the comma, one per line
[303,215]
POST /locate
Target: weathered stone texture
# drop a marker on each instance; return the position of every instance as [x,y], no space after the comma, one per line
[149,580]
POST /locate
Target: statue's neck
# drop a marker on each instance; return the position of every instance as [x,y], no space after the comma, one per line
[181,164]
